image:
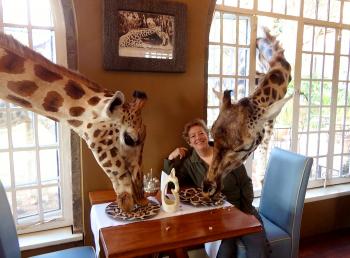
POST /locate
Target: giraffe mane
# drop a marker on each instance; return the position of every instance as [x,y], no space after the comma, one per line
[9,43]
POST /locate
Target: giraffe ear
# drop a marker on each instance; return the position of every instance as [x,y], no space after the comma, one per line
[273,110]
[116,101]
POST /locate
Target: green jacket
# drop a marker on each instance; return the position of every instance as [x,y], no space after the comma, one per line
[237,185]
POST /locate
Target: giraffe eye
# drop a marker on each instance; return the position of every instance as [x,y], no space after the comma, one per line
[129,140]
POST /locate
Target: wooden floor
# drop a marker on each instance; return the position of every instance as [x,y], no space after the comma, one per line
[331,245]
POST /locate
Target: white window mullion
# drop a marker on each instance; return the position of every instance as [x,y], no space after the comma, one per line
[332,121]
[10,150]
[221,50]
[297,83]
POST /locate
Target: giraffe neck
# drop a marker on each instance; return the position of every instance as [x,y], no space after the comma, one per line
[29,80]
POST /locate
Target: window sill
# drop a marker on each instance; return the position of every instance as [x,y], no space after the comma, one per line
[318,194]
[48,238]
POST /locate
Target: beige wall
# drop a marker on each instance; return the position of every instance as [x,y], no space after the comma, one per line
[173,98]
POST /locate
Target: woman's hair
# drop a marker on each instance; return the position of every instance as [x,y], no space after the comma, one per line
[189,125]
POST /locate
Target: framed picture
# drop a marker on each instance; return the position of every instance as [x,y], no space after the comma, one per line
[144,35]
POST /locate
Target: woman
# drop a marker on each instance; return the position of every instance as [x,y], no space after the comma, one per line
[191,166]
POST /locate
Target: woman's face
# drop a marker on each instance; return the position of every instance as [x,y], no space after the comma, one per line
[198,137]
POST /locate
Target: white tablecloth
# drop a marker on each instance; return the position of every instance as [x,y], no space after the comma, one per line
[99,218]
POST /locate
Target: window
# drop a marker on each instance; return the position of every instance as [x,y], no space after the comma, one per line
[34,157]
[316,36]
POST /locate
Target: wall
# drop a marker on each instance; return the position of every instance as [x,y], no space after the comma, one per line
[173,98]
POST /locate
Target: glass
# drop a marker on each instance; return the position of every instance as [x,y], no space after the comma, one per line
[338,143]
[214,59]
[344,68]
[279,6]
[264,5]
[347,119]
[302,143]
[230,3]
[151,184]
[229,84]
[242,88]
[306,65]
[212,114]
[50,198]
[40,13]
[3,130]
[5,173]
[345,39]
[229,28]
[330,40]
[22,122]
[24,163]
[307,38]
[21,34]
[213,85]
[310,9]
[322,13]
[303,119]
[293,7]
[312,144]
[327,93]
[229,60]
[247,4]
[346,11]
[321,171]
[15,11]
[334,11]
[27,203]
[314,119]
[319,39]
[317,66]
[49,166]
[344,170]
[44,43]
[339,120]
[324,139]
[341,94]
[315,93]
[304,93]
[48,131]
[214,35]
[325,119]
[244,33]
[328,70]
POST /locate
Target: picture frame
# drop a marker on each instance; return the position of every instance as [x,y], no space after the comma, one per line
[144,35]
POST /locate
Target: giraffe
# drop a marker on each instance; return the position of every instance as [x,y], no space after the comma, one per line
[136,37]
[112,127]
[240,126]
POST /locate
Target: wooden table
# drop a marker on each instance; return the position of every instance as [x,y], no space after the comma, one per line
[152,236]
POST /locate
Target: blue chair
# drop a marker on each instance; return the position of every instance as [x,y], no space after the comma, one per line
[281,203]
[9,246]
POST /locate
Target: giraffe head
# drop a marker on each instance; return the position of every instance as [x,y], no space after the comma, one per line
[237,132]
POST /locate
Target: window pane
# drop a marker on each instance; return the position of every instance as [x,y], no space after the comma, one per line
[316,93]
[229,28]
[302,143]
[48,131]
[27,204]
[306,65]
[322,10]
[334,12]
[310,9]
[303,119]
[50,198]
[22,122]
[328,70]
[230,2]
[40,13]
[44,43]
[214,59]
[346,11]
[307,38]
[229,61]
[325,119]
[24,163]
[293,7]
[319,39]
[344,68]
[324,139]
[212,114]
[3,130]
[248,4]
[21,34]
[213,84]
[49,165]
[339,123]
[345,39]
[228,84]
[264,5]
[341,94]
[330,40]
[15,11]
[243,61]
[279,6]
[242,88]
[214,35]
[317,66]
[244,35]
[314,119]
[5,174]
[327,93]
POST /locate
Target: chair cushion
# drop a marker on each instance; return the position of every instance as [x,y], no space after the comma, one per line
[76,252]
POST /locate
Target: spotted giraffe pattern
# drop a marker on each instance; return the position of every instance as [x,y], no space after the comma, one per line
[136,37]
[240,126]
[111,127]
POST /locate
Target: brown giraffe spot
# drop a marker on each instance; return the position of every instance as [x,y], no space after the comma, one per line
[89,125]
[19,101]
[76,111]
[12,63]
[110,132]
[108,170]
[75,123]
[115,173]
[99,149]
[92,145]
[284,63]
[46,75]
[274,93]
[277,77]
[95,87]
[107,164]
[74,90]
[103,142]
[267,91]
[94,101]
[108,94]
[114,152]
[110,142]
[118,163]
[86,136]
[104,133]
[23,88]
[97,132]
[53,101]
[103,156]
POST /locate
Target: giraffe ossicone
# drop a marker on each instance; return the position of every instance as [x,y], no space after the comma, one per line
[112,127]
[241,126]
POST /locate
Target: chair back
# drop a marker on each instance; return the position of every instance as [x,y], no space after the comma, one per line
[9,246]
[283,194]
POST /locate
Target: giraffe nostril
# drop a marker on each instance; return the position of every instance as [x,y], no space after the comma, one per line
[129,140]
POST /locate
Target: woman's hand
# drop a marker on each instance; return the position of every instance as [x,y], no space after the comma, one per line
[178,152]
